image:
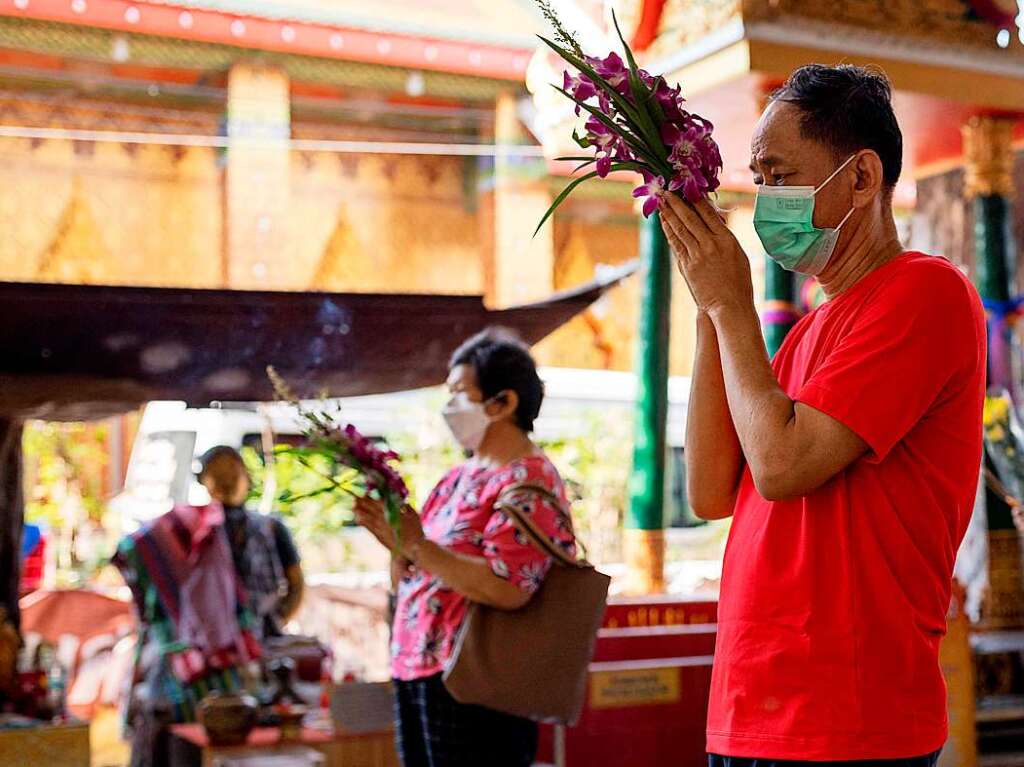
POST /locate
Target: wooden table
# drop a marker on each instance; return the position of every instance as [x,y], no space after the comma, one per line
[66,745]
[190,746]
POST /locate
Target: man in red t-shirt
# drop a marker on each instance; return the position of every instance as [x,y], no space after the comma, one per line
[850,462]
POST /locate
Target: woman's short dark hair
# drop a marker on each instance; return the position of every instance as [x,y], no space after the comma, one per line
[502,362]
[847,108]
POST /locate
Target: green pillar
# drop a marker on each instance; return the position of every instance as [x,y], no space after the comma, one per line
[993,248]
[780,313]
[988,184]
[645,519]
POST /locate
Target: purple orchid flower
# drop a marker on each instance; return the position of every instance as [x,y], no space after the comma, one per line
[612,70]
[607,142]
[690,181]
[686,144]
[580,86]
[671,101]
[620,153]
[712,154]
[702,123]
[599,134]
[650,189]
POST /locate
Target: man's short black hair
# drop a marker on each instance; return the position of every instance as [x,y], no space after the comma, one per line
[502,362]
[847,108]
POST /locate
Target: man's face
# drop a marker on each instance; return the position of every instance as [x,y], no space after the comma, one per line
[781,156]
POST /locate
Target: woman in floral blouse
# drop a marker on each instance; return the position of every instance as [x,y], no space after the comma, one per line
[460,550]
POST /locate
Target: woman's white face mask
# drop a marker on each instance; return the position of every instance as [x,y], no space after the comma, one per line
[467,420]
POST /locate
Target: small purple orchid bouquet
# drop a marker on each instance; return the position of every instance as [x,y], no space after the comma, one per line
[360,466]
[635,122]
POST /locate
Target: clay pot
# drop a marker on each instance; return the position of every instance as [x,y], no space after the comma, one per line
[228,718]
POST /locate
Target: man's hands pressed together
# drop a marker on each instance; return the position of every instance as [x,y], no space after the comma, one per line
[790,448]
[708,255]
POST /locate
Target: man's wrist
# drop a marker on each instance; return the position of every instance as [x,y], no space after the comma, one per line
[725,311]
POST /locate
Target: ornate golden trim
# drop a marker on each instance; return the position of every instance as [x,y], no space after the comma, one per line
[988,156]
[935,21]
[1003,606]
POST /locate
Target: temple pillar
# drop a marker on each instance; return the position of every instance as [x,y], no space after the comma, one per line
[12,511]
[257,178]
[780,312]
[644,534]
[12,518]
[519,268]
[988,185]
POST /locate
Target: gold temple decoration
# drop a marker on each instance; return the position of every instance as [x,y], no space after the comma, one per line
[1002,608]
[937,21]
[76,254]
[685,22]
[988,156]
[573,262]
[343,264]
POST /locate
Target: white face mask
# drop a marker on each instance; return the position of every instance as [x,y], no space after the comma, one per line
[467,420]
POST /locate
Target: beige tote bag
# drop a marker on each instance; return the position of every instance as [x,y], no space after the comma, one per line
[532,662]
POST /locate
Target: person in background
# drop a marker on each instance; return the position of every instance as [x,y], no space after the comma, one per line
[264,554]
[460,551]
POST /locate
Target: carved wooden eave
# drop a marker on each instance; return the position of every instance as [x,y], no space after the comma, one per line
[928,47]
[947,64]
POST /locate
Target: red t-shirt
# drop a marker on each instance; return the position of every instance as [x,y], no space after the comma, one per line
[833,605]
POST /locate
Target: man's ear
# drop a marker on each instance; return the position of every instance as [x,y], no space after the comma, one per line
[869,179]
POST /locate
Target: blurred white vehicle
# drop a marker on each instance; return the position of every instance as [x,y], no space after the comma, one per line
[171,437]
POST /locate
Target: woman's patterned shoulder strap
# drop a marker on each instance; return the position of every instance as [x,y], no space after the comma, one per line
[509,502]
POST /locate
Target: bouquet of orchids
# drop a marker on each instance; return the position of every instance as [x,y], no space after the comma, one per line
[634,121]
[362,466]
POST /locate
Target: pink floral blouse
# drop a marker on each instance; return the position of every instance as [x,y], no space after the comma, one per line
[459,515]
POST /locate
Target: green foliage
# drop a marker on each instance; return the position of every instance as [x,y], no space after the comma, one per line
[307,503]
[595,465]
[65,484]
[65,465]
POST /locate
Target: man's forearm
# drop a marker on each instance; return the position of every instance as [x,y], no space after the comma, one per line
[761,411]
[713,456]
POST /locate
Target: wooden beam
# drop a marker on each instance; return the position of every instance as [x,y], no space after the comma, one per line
[287,36]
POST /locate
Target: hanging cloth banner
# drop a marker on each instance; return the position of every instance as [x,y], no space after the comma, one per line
[1001,318]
